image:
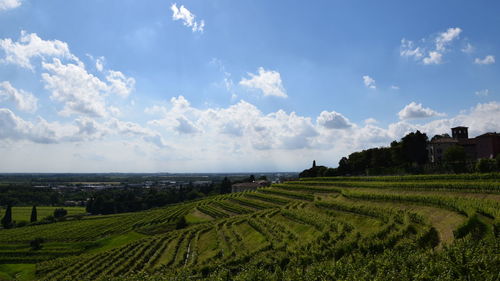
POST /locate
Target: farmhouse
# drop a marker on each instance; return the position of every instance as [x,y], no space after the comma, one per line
[239,187]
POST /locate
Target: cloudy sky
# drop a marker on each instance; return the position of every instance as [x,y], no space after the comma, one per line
[230,86]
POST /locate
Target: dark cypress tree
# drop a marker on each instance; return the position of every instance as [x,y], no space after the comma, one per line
[34,215]
[7,218]
[225,186]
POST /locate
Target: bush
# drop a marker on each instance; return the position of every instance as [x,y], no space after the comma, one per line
[486,165]
[429,239]
[60,212]
[36,244]
[21,223]
[473,226]
[181,223]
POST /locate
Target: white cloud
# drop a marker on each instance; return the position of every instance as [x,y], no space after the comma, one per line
[395,87]
[9,4]
[416,110]
[267,81]
[333,120]
[120,84]
[30,46]
[23,100]
[371,121]
[187,18]
[99,64]
[408,49]
[15,128]
[447,37]
[433,58]
[185,126]
[468,49]
[487,60]
[435,51]
[79,91]
[234,138]
[482,93]
[227,80]
[369,82]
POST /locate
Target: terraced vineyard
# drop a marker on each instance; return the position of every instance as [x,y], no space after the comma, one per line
[443,227]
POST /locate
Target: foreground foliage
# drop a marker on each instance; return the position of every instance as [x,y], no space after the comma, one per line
[353,228]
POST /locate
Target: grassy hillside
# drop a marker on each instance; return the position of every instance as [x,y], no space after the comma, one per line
[356,228]
[24,213]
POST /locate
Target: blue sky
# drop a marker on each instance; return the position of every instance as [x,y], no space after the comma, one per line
[227,86]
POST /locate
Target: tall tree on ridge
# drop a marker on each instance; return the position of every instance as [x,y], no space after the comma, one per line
[34,215]
[7,218]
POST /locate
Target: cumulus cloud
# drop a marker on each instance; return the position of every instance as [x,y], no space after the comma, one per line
[369,82]
[23,100]
[433,58]
[267,81]
[99,64]
[371,121]
[430,53]
[12,127]
[9,4]
[395,87]
[120,84]
[232,138]
[408,49]
[241,123]
[445,38]
[487,60]
[30,46]
[65,76]
[416,111]
[184,126]
[187,18]
[79,91]
[333,120]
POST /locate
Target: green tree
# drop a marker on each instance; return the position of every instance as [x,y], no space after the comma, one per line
[498,161]
[455,157]
[225,186]
[415,147]
[181,223]
[7,218]
[486,165]
[36,244]
[60,212]
[397,153]
[34,217]
[344,167]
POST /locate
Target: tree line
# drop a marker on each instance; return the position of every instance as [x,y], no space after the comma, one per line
[407,156]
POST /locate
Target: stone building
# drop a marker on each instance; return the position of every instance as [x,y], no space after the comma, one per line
[483,146]
[239,187]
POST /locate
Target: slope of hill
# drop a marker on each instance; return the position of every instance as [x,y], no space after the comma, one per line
[351,228]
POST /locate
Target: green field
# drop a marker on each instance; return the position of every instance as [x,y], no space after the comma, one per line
[439,227]
[24,213]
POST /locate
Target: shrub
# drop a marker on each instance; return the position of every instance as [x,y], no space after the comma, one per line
[430,239]
[474,226]
[36,244]
[60,212]
[486,165]
[181,223]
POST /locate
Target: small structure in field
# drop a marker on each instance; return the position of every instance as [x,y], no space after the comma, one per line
[244,186]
